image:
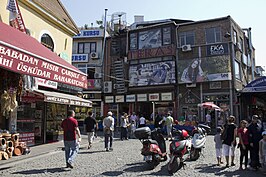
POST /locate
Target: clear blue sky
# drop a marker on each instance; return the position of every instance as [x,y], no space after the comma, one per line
[246,13]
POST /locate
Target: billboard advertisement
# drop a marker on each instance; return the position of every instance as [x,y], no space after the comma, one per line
[150,39]
[158,73]
[204,69]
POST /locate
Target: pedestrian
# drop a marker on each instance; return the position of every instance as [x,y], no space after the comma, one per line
[262,149]
[229,134]
[142,121]
[132,129]
[243,144]
[208,119]
[124,127]
[169,120]
[218,145]
[90,125]
[255,130]
[108,128]
[158,122]
[71,143]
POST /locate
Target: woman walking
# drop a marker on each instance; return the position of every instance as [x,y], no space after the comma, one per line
[243,143]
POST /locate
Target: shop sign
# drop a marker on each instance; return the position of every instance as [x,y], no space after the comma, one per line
[154,97]
[27,137]
[166,96]
[46,83]
[109,99]
[57,100]
[120,99]
[217,49]
[80,58]
[89,33]
[23,63]
[130,98]
[142,97]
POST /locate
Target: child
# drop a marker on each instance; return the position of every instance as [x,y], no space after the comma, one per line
[218,145]
[262,147]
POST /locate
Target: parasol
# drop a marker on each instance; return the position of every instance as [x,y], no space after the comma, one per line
[209,105]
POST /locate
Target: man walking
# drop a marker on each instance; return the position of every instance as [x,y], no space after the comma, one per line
[71,143]
[108,128]
[90,125]
[255,130]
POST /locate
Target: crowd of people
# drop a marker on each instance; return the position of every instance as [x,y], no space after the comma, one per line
[251,137]
[251,143]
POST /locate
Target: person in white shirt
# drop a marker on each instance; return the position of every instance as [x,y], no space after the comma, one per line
[142,121]
[108,127]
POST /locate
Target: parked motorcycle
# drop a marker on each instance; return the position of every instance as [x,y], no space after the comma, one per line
[154,148]
[198,142]
[180,149]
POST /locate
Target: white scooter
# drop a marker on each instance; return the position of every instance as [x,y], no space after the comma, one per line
[198,141]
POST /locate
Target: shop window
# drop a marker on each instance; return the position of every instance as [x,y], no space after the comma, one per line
[213,35]
[47,41]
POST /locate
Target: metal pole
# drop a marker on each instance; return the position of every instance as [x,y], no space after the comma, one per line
[104,41]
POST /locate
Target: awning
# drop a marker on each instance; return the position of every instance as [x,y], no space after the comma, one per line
[61,98]
[23,54]
[258,85]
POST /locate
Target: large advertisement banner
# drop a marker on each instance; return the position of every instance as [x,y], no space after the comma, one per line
[152,74]
[150,39]
[204,69]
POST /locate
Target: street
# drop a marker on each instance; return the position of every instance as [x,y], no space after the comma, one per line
[124,160]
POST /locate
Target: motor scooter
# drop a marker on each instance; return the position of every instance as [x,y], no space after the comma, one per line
[180,149]
[154,148]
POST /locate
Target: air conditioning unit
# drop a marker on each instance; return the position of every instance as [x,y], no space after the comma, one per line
[186,48]
[94,55]
[97,75]
[115,86]
[107,87]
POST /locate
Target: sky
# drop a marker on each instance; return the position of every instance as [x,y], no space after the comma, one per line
[245,13]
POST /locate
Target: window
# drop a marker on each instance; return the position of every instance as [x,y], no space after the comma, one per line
[166,36]
[237,71]
[47,41]
[235,37]
[133,41]
[86,47]
[241,44]
[186,38]
[90,73]
[213,35]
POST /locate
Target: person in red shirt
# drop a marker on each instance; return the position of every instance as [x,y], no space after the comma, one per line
[71,143]
[242,133]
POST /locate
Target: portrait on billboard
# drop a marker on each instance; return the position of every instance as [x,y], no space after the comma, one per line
[150,39]
[193,72]
[152,74]
[204,69]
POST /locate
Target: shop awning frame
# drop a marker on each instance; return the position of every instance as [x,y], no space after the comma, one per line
[23,54]
[62,98]
[256,86]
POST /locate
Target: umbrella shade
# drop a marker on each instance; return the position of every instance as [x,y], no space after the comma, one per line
[209,105]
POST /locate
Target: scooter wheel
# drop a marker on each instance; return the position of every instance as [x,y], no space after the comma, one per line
[174,164]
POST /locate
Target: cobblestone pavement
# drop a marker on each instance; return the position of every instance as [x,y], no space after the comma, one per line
[124,160]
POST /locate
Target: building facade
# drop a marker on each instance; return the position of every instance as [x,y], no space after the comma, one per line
[36,71]
[175,65]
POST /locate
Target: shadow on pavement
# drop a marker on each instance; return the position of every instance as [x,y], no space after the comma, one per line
[112,173]
[41,171]
[90,152]
[222,171]
[162,172]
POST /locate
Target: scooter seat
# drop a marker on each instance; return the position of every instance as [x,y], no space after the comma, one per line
[150,141]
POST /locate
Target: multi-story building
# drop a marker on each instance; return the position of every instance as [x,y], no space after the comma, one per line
[174,65]
[87,56]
